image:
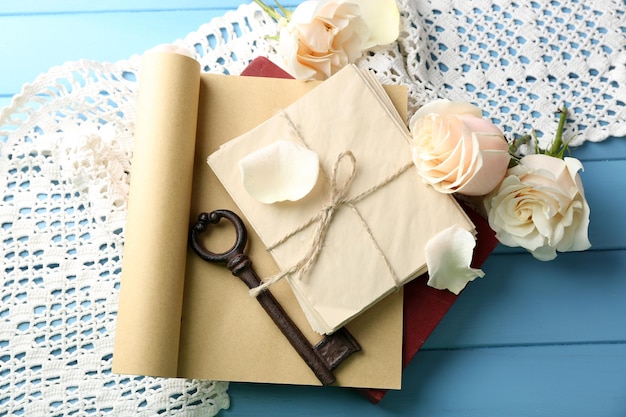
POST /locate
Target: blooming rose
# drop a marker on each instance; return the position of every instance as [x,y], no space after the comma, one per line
[541,207]
[456,150]
[322,36]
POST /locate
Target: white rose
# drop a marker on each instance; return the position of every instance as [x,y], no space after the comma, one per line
[323,36]
[456,150]
[541,207]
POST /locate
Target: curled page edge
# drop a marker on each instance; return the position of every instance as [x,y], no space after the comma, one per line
[153,265]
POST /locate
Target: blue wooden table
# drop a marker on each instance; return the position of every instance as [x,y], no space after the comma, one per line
[530,339]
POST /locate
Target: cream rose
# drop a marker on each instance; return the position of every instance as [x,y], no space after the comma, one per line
[323,36]
[456,150]
[541,207]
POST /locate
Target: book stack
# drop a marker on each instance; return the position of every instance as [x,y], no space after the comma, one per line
[180,316]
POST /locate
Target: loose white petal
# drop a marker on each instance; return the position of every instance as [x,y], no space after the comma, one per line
[281,171]
[448,258]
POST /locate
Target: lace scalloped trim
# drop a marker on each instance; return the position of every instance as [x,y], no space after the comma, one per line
[521,61]
[518,61]
[64,159]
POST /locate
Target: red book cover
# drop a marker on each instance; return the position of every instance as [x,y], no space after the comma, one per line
[424,306]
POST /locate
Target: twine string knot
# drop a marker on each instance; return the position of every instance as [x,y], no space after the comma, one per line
[337,198]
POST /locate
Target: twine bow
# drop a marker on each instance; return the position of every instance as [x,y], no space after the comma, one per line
[337,198]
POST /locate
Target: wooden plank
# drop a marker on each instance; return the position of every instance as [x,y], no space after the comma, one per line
[80,6]
[5,101]
[33,44]
[580,380]
[605,182]
[113,30]
[609,149]
[540,381]
[578,298]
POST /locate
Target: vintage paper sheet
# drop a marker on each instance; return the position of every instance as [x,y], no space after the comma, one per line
[197,320]
[383,233]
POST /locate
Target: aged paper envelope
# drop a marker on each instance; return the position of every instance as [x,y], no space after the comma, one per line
[204,316]
[388,214]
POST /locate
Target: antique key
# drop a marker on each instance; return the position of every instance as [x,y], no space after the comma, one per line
[322,358]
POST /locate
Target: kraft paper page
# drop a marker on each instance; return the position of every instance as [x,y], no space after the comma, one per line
[153,266]
[224,333]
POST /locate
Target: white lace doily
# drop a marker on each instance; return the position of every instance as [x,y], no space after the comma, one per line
[65,170]
[66,142]
[520,61]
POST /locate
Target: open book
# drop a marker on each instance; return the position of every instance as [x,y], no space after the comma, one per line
[179,316]
[215,341]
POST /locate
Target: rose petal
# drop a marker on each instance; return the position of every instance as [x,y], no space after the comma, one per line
[322,37]
[580,239]
[281,171]
[493,168]
[544,253]
[448,258]
[383,19]
[443,106]
[305,12]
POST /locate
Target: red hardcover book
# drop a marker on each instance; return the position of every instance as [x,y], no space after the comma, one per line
[424,306]
[263,67]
